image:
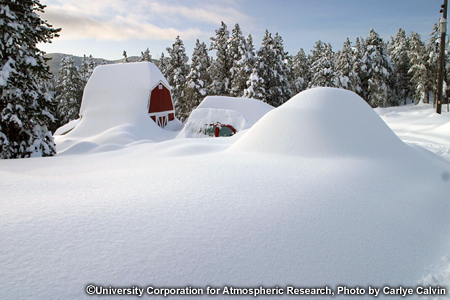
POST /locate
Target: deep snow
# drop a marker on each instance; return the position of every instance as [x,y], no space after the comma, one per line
[303,198]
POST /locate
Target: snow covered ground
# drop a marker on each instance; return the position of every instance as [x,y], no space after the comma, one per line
[420,125]
[319,192]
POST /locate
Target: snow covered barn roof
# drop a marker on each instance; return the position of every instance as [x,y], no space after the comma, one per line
[240,113]
[121,98]
[120,93]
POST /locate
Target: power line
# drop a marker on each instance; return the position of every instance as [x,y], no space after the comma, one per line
[405,16]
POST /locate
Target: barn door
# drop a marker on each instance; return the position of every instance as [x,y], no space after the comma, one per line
[162,121]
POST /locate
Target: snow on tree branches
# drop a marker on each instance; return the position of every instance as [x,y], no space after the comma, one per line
[24,108]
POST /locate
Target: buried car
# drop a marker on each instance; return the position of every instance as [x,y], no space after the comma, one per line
[220,116]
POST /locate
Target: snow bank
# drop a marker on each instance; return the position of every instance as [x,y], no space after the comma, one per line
[241,113]
[321,122]
[420,125]
[184,212]
[136,218]
[115,107]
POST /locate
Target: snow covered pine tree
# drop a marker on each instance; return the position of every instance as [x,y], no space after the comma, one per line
[177,71]
[24,109]
[198,78]
[69,91]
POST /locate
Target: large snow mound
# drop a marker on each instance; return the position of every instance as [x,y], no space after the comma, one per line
[241,113]
[321,122]
[115,107]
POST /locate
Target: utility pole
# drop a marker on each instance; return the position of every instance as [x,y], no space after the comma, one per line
[443,29]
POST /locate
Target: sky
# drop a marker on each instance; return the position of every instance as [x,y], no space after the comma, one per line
[105,28]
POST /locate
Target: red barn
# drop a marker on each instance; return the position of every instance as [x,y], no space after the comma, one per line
[160,106]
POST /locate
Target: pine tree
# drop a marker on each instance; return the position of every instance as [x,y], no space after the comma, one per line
[301,72]
[25,110]
[87,68]
[255,87]
[360,68]
[238,50]
[145,56]
[379,70]
[69,91]
[347,77]
[162,65]
[221,66]
[289,62]
[399,50]
[177,71]
[272,71]
[247,65]
[281,91]
[125,57]
[322,66]
[198,78]
[48,88]
[418,68]
[433,49]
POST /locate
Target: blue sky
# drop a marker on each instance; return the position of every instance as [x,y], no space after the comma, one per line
[104,28]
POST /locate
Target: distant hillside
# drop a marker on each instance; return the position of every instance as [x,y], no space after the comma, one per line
[55,61]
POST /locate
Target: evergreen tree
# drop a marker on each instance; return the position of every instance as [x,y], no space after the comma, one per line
[177,71]
[281,91]
[346,76]
[399,51]
[418,68]
[247,65]
[242,55]
[87,68]
[433,49]
[145,56]
[322,66]
[48,88]
[221,66]
[198,78]
[360,69]
[289,62]
[301,72]
[379,70]
[69,91]
[446,87]
[272,71]
[25,109]
[255,87]
[125,57]
[162,65]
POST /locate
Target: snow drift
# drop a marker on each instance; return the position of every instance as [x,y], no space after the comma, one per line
[322,122]
[331,212]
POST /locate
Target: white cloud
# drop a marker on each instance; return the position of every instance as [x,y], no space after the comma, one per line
[117,29]
[120,20]
[210,12]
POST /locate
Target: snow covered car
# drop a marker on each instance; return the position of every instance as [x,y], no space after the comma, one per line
[219,116]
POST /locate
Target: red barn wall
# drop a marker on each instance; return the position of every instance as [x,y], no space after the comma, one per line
[160,100]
